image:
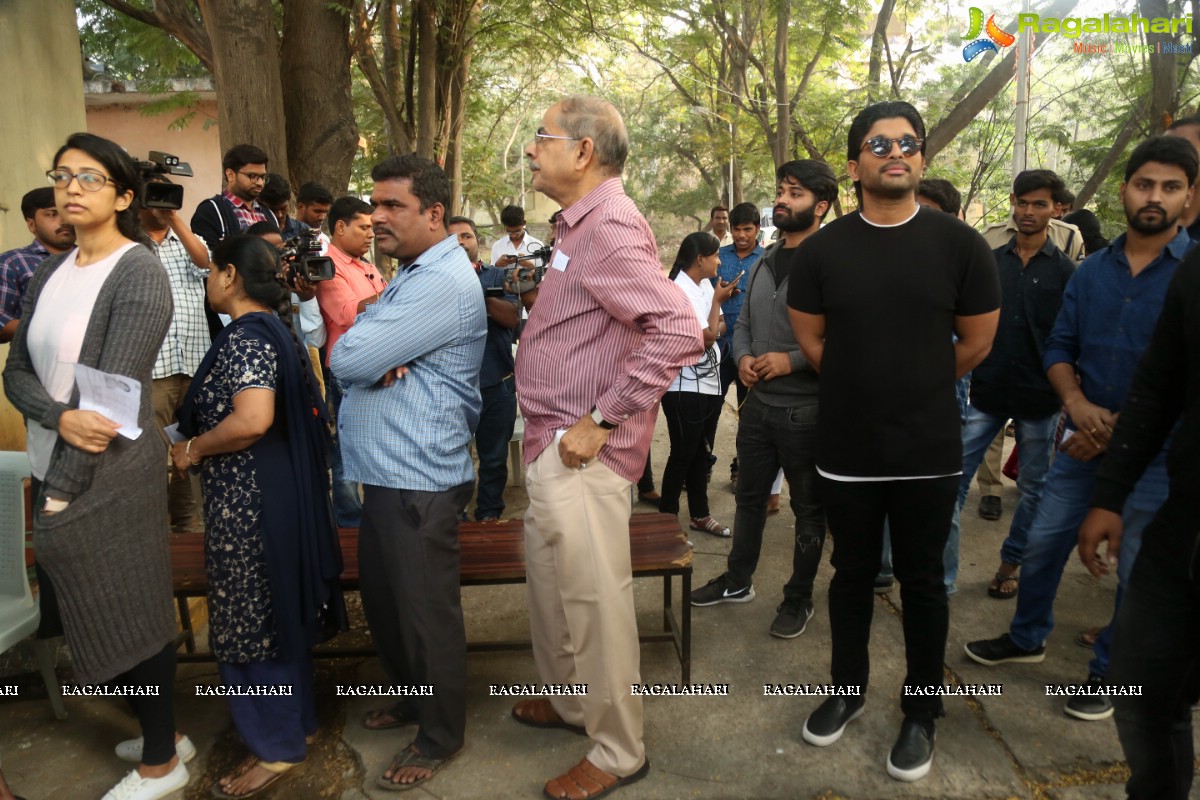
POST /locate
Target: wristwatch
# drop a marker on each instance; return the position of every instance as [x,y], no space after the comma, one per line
[600,420]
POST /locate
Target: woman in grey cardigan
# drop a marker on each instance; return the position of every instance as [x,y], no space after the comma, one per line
[100,517]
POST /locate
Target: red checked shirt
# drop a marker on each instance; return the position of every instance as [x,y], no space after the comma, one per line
[608,330]
[247,215]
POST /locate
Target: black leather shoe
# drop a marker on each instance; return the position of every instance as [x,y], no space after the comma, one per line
[825,725]
[912,754]
[989,508]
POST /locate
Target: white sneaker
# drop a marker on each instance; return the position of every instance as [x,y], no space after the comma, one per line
[134,787]
[131,750]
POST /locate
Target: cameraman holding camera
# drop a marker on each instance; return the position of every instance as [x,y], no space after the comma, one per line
[354,286]
[185,258]
[516,242]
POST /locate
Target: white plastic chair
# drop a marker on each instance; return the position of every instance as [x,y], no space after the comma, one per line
[18,612]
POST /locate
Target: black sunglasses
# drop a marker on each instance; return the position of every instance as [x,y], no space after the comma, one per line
[881,146]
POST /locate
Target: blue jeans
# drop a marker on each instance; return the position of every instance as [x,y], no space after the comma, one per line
[1052,539]
[1157,647]
[1035,443]
[496,421]
[347,505]
[770,437]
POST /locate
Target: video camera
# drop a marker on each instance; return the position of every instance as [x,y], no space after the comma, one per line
[529,270]
[162,195]
[303,256]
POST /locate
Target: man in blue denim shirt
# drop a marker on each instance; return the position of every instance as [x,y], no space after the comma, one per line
[1108,315]
[736,261]
[499,414]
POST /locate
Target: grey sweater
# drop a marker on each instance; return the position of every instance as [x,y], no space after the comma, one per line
[107,552]
[764,327]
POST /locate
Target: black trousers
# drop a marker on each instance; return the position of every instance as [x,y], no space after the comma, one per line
[1156,647]
[918,512]
[155,713]
[691,421]
[408,558]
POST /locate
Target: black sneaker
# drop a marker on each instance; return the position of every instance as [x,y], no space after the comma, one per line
[792,618]
[1090,707]
[825,725]
[912,754]
[720,590]
[1001,650]
[989,508]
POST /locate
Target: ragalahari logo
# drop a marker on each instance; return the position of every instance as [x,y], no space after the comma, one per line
[995,36]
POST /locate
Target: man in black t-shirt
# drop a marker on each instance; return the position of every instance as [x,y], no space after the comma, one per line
[876,298]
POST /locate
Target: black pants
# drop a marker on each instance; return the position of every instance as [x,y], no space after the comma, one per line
[156,714]
[691,421]
[1156,646]
[770,437]
[408,560]
[728,374]
[918,512]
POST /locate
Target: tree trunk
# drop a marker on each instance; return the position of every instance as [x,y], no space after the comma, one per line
[322,136]
[246,75]
[1124,137]
[427,70]
[783,121]
[1164,82]
[875,66]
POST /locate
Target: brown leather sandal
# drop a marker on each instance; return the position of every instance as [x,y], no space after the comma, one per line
[538,712]
[586,781]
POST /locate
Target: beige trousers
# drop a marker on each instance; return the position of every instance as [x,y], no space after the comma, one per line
[581,611]
[183,494]
[988,476]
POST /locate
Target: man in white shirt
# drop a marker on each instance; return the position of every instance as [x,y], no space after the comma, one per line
[517,242]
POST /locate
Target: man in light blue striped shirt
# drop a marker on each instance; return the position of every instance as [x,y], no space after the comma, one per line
[411,362]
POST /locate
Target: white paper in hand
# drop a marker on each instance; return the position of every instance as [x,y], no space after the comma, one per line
[115,396]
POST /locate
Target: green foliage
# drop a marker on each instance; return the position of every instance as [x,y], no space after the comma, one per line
[129,50]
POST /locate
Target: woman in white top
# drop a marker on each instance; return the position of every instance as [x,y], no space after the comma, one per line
[693,402]
[100,519]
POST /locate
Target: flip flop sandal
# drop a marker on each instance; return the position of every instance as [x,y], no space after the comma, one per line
[710,525]
[277,768]
[538,712]
[586,781]
[409,757]
[399,719]
[1088,638]
[997,592]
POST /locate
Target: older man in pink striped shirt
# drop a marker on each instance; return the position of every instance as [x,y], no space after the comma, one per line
[605,338]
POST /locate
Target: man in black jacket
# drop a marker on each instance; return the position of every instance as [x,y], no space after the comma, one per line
[236,207]
[1156,644]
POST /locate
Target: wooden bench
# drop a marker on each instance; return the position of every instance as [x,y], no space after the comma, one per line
[491,554]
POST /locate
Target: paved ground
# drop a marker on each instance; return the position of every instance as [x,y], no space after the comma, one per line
[1017,745]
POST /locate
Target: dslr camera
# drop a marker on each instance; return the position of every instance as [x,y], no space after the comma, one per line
[302,254]
[162,195]
[529,270]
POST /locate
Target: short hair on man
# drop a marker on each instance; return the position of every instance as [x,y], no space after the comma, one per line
[592,118]
[512,216]
[1165,150]
[875,112]
[1065,197]
[313,192]
[35,200]
[815,176]
[942,192]
[715,209]
[463,221]
[275,191]
[345,209]
[262,228]
[429,182]
[744,214]
[240,155]
[1032,180]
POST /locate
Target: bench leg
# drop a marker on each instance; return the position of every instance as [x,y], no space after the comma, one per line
[685,658]
[668,612]
[515,476]
[185,622]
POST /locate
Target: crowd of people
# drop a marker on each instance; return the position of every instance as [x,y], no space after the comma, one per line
[877,358]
